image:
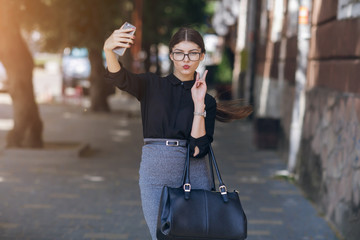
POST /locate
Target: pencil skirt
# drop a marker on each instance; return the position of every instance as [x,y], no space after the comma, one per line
[164,165]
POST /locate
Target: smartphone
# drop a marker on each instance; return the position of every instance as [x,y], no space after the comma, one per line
[121,50]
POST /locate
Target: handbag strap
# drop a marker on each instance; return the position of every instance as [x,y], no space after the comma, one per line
[210,165]
[212,173]
[212,160]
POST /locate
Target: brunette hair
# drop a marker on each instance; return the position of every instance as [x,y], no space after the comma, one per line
[187,34]
[226,111]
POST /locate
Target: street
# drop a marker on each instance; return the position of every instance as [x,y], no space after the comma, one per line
[56,194]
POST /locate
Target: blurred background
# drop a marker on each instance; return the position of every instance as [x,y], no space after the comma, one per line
[297,62]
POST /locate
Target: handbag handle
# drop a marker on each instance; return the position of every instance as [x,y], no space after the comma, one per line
[212,173]
[212,160]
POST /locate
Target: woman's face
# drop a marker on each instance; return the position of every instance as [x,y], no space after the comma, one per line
[186,57]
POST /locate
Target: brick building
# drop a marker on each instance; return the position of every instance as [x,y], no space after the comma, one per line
[316,97]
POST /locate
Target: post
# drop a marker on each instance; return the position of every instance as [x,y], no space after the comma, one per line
[251,68]
[240,45]
[304,34]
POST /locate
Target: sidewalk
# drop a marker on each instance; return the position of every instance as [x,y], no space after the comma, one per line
[57,194]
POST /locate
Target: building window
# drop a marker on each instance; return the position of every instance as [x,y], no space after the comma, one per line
[348,9]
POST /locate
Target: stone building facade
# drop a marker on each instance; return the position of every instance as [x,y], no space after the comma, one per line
[328,160]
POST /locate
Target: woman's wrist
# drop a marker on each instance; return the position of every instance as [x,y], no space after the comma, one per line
[108,52]
[199,107]
[112,62]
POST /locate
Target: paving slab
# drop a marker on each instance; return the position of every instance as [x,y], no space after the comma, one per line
[57,194]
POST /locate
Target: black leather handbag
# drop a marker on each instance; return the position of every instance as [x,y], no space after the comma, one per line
[195,214]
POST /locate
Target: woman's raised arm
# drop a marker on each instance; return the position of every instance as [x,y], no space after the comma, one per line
[119,38]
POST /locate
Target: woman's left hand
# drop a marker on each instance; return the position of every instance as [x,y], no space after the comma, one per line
[198,91]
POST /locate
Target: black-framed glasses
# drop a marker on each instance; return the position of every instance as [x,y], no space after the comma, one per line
[193,56]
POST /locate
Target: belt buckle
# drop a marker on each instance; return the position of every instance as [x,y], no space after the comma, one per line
[172,143]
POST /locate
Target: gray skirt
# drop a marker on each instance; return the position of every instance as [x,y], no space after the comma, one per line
[164,165]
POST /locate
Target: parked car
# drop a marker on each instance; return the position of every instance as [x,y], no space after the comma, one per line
[4,87]
[75,68]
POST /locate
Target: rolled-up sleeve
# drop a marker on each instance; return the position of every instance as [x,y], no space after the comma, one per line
[128,81]
[203,142]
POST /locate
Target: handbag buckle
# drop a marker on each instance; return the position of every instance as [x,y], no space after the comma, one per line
[172,143]
[223,189]
[187,187]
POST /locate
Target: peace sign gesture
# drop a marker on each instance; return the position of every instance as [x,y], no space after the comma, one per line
[198,91]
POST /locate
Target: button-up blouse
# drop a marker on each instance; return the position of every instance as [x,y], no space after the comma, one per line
[167,108]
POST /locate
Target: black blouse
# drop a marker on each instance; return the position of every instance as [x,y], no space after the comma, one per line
[167,108]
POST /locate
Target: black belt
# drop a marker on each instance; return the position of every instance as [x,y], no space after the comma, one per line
[169,142]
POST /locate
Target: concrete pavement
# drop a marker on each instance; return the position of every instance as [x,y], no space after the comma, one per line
[56,194]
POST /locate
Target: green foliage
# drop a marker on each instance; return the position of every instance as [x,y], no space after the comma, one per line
[70,23]
[210,8]
[244,59]
[223,72]
[163,18]
[85,23]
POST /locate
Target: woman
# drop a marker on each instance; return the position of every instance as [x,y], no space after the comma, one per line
[176,110]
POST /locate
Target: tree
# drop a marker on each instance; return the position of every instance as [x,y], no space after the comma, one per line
[17,59]
[63,23]
[87,24]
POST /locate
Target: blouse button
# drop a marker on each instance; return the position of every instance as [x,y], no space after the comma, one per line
[182,83]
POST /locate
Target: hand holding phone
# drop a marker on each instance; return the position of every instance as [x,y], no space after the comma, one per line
[121,50]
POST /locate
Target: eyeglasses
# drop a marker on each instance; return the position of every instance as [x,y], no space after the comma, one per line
[193,56]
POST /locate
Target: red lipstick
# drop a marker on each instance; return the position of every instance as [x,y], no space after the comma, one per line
[186,66]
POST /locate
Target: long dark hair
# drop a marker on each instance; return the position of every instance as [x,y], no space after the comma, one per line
[226,111]
[187,34]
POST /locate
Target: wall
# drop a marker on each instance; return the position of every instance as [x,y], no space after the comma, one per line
[328,163]
[329,159]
